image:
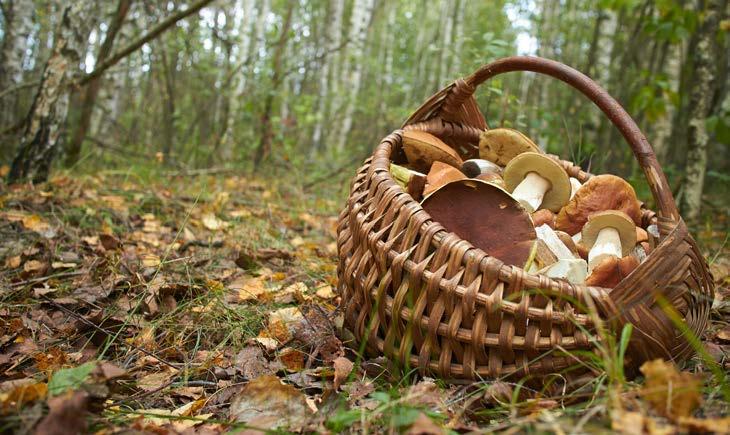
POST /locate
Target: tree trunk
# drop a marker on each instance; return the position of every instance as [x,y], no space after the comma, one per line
[702,90]
[244,60]
[50,106]
[361,15]
[18,27]
[267,134]
[333,35]
[92,88]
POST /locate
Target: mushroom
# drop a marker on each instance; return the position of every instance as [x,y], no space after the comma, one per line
[599,193]
[500,145]
[612,271]
[574,186]
[567,241]
[544,216]
[473,168]
[440,174]
[413,182]
[423,149]
[566,266]
[608,234]
[537,181]
[485,215]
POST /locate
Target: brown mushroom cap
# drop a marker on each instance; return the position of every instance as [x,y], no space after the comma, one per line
[472,168]
[547,168]
[544,216]
[567,241]
[612,271]
[601,192]
[615,219]
[440,174]
[423,149]
[492,178]
[500,145]
[486,216]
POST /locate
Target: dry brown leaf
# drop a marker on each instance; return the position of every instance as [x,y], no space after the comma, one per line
[635,423]
[343,368]
[19,395]
[724,335]
[250,362]
[67,414]
[705,425]
[265,403]
[31,266]
[283,323]
[424,426]
[12,262]
[672,393]
[325,292]
[150,260]
[292,359]
[251,289]
[154,381]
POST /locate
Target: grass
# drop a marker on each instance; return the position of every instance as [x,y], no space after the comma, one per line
[176,311]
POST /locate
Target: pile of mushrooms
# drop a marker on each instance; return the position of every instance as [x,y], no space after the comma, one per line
[521,206]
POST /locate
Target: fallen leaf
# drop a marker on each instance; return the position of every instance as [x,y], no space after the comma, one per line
[269,344]
[62,265]
[283,323]
[672,393]
[36,224]
[12,262]
[31,266]
[251,289]
[292,359]
[20,395]
[705,425]
[325,292]
[67,414]
[154,381]
[343,368]
[724,335]
[424,426]
[211,222]
[150,260]
[266,404]
[250,362]
[70,379]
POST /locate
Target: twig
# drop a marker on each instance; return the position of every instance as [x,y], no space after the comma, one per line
[19,87]
[105,331]
[46,278]
[147,37]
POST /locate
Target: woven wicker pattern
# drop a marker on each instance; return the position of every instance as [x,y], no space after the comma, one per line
[428,299]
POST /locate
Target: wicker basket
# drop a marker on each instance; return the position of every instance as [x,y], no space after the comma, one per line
[426,298]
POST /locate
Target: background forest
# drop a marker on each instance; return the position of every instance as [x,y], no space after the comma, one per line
[171,172]
[310,86]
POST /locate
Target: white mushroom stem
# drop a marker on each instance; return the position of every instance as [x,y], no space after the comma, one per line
[574,186]
[608,244]
[531,191]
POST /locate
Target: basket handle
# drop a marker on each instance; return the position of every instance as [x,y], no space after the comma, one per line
[643,151]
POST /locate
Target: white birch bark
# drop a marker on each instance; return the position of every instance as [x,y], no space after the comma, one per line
[329,62]
[243,58]
[338,70]
[19,25]
[703,82]
[361,15]
[50,106]
[455,70]
[447,21]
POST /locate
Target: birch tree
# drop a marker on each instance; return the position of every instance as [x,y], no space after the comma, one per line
[333,40]
[703,83]
[241,74]
[48,113]
[18,27]
[361,14]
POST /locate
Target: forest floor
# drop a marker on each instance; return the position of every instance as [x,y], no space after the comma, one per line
[206,303]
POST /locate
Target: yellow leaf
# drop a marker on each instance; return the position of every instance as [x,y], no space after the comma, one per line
[12,262]
[672,393]
[211,222]
[150,260]
[33,266]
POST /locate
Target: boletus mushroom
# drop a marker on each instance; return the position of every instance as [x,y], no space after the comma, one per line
[608,234]
[601,192]
[544,216]
[500,145]
[537,181]
[567,266]
[574,186]
[483,170]
[423,149]
[441,174]
[411,181]
[486,216]
[612,271]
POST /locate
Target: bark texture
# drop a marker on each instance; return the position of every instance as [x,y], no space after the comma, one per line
[47,115]
[702,90]
[18,27]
